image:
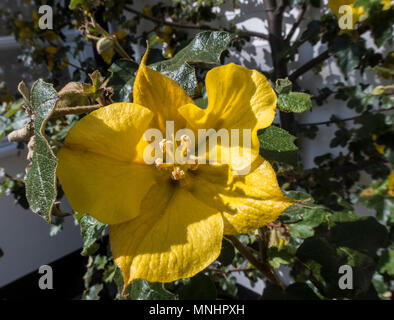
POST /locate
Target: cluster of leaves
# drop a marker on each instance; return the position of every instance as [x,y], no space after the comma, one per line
[315,236]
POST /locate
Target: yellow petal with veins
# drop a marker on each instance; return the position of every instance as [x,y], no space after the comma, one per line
[161,95]
[246,202]
[110,190]
[113,131]
[176,237]
[97,167]
[238,98]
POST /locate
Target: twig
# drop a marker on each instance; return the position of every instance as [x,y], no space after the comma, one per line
[263,268]
[74,110]
[25,133]
[345,119]
[231,270]
[243,33]
[22,134]
[309,65]
[296,23]
[77,67]
[118,48]
[319,59]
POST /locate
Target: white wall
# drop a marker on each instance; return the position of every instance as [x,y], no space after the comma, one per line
[24,236]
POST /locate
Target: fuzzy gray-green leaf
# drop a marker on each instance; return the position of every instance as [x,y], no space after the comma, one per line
[294,102]
[205,48]
[41,178]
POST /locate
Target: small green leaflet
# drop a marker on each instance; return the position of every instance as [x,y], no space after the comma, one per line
[91,231]
[294,102]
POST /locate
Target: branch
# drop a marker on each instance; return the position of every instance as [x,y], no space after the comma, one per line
[341,120]
[242,33]
[25,133]
[319,59]
[74,110]
[309,65]
[76,67]
[22,134]
[265,269]
[231,270]
[296,23]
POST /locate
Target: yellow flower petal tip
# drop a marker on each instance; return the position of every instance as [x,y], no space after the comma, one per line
[167,219]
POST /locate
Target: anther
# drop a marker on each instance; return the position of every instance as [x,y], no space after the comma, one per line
[164,144]
[177,173]
[193,161]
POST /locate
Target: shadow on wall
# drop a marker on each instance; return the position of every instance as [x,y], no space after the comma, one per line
[24,236]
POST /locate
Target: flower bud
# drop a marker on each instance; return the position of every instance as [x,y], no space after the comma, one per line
[105,45]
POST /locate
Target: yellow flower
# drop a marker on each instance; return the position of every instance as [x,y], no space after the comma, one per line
[120,34]
[23,28]
[165,37]
[359,13]
[51,36]
[379,147]
[147,10]
[390,189]
[386,4]
[167,222]
[50,55]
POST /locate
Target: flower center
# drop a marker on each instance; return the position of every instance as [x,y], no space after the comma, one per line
[179,162]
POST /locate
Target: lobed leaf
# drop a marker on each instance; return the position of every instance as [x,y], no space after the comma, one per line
[91,231]
[140,289]
[205,48]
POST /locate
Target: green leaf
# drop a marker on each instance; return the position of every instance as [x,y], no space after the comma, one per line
[347,52]
[300,291]
[283,86]
[300,195]
[227,254]
[277,144]
[205,48]
[41,179]
[381,286]
[200,287]
[91,231]
[387,262]
[352,234]
[109,273]
[122,79]
[311,218]
[76,3]
[295,291]
[278,257]
[93,292]
[140,289]
[346,240]
[294,102]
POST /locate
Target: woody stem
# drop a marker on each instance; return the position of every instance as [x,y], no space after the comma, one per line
[262,266]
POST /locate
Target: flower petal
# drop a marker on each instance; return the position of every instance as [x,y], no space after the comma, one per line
[113,131]
[160,94]
[176,237]
[110,190]
[246,202]
[99,167]
[238,98]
